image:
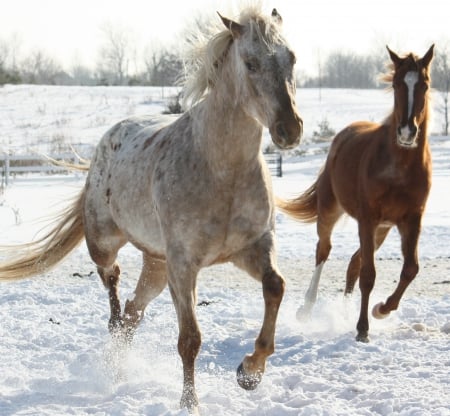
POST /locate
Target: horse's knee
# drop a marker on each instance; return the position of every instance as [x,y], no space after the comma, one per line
[189,343]
[367,278]
[109,275]
[409,272]
[322,251]
[273,286]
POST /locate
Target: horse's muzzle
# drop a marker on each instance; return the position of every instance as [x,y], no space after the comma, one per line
[287,135]
[407,136]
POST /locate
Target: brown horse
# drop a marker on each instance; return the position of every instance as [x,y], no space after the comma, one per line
[380,174]
[190,192]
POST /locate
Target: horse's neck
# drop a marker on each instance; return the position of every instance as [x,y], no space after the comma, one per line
[225,135]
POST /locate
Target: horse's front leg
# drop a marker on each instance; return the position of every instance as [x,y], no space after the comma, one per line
[354,266]
[367,278]
[409,232]
[259,262]
[182,284]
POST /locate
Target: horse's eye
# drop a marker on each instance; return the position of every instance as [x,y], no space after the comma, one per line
[251,65]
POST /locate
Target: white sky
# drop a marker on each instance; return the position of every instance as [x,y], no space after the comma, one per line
[69,30]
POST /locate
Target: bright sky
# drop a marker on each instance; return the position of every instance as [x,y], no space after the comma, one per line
[69,30]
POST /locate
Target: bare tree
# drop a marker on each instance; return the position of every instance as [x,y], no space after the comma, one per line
[4,53]
[441,82]
[116,53]
[82,75]
[163,67]
[349,70]
[14,43]
[40,68]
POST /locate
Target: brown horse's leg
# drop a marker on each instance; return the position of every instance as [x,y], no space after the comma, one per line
[152,281]
[367,278]
[353,269]
[182,277]
[328,215]
[354,266]
[410,236]
[259,262]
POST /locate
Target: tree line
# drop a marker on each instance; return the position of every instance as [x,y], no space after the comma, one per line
[116,64]
[163,66]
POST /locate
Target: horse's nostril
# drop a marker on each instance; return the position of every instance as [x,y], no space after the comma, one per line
[281,131]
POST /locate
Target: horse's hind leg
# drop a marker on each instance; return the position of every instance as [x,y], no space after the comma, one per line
[152,281]
[104,241]
[354,265]
[110,277]
[409,232]
[259,262]
[327,217]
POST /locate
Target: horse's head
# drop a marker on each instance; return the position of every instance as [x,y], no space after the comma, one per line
[411,82]
[263,66]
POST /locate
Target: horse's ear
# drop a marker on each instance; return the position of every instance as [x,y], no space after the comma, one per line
[394,57]
[428,56]
[277,17]
[235,28]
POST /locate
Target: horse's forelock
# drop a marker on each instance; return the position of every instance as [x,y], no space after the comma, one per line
[410,60]
[206,55]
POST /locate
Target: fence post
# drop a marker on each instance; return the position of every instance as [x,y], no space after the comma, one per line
[280,165]
[6,170]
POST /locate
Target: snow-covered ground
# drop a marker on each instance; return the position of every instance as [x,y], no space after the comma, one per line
[56,357]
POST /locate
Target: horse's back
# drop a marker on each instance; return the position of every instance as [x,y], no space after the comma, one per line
[111,166]
[126,137]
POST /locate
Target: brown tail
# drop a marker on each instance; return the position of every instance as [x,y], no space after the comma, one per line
[41,255]
[303,208]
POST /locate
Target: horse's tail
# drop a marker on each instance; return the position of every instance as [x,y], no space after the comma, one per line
[82,166]
[41,255]
[303,208]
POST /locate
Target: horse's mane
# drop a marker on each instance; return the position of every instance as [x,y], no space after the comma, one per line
[209,47]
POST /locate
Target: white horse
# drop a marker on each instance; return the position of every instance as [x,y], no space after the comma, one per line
[191,193]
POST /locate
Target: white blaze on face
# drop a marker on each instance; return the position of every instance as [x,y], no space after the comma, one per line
[411,79]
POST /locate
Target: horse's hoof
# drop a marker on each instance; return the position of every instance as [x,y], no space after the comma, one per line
[376,312]
[363,338]
[303,313]
[115,326]
[247,381]
[189,399]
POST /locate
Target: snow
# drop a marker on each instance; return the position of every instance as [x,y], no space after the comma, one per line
[56,355]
